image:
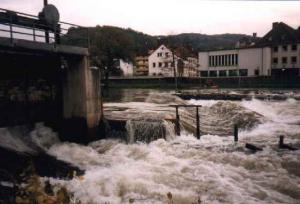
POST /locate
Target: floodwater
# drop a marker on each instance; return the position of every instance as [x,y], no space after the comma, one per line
[213,169]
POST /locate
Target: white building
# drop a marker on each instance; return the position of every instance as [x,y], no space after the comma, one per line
[161,61]
[235,62]
[126,67]
[277,53]
[191,68]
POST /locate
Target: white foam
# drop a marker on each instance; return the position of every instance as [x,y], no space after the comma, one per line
[207,103]
[186,167]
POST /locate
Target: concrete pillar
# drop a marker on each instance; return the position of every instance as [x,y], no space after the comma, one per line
[81,101]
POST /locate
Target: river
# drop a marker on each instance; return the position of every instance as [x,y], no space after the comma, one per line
[182,169]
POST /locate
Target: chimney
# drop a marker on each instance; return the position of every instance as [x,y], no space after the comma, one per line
[254,35]
[275,24]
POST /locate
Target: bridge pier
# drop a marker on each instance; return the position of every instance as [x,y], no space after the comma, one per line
[81,100]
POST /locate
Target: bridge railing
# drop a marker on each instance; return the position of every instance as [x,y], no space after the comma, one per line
[17,25]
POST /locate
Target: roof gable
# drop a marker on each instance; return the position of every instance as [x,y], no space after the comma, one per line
[161,48]
[280,33]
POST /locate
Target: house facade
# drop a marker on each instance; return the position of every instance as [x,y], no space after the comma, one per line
[126,67]
[141,66]
[191,67]
[161,62]
[277,53]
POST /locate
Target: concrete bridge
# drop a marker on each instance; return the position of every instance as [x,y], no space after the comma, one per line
[42,80]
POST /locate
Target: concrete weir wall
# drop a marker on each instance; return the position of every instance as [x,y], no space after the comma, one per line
[81,100]
[49,83]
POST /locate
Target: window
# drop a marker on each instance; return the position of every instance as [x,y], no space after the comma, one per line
[294,60]
[159,64]
[222,73]
[275,49]
[167,54]
[166,64]
[223,60]
[236,60]
[275,60]
[284,47]
[294,47]
[243,72]
[219,60]
[213,73]
[226,60]
[210,61]
[213,61]
[233,73]
[284,60]
[154,64]
[159,54]
[204,73]
[256,72]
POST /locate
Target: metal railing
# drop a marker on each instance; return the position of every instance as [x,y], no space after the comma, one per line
[17,25]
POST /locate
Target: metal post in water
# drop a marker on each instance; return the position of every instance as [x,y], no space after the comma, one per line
[236,133]
[281,144]
[197,123]
[281,141]
[177,122]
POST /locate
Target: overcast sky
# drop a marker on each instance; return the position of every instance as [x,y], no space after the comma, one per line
[158,17]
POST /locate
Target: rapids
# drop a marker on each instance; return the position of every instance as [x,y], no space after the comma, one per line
[211,170]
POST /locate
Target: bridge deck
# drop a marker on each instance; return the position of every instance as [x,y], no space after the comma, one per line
[8,45]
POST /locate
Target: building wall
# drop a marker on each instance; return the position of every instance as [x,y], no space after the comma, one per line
[126,67]
[267,61]
[256,60]
[191,67]
[141,66]
[160,62]
[289,53]
[235,62]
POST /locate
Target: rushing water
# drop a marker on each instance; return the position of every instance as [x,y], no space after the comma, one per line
[211,170]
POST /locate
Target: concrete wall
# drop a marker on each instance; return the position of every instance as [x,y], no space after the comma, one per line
[81,100]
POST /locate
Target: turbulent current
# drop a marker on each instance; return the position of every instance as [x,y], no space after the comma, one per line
[213,169]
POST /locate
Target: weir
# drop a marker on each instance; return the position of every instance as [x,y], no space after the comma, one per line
[42,80]
[146,130]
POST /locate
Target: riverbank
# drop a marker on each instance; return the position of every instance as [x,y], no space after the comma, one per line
[196,82]
[25,163]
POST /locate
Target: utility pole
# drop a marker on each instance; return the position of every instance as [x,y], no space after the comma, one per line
[174,69]
[46,31]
